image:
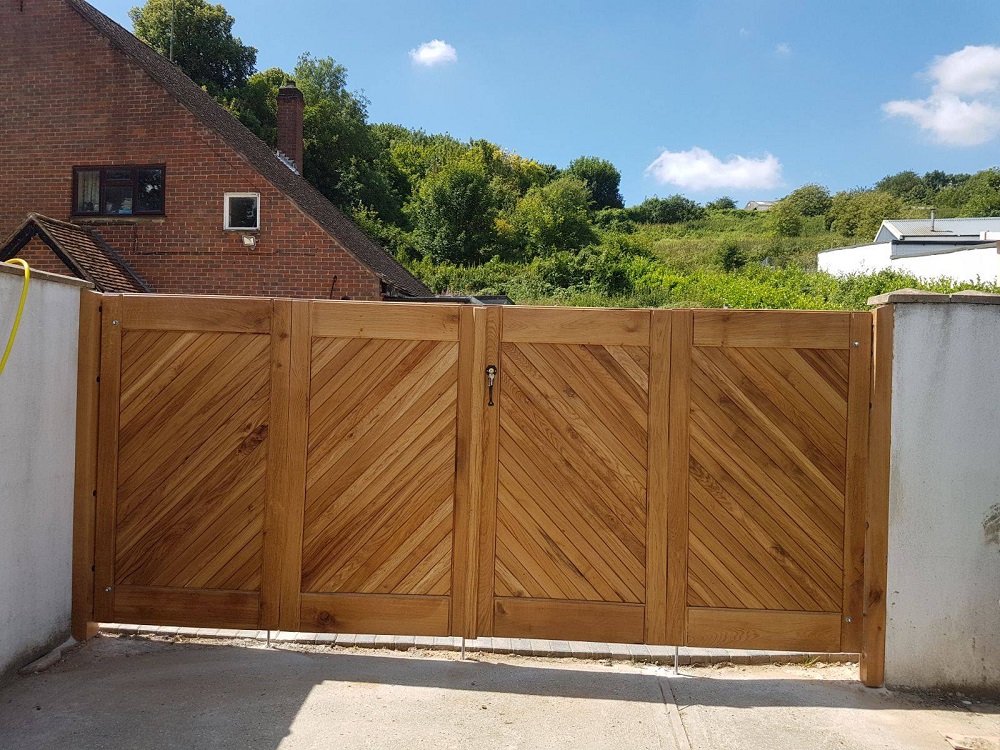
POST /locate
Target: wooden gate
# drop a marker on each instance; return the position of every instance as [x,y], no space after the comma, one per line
[646,476]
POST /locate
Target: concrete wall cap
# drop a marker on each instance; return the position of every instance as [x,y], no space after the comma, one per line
[968,297]
[908,295]
[37,275]
[975,297]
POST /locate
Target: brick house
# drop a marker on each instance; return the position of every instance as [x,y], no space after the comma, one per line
[107,149]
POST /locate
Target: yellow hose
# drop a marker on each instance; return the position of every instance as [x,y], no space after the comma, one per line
[20,309]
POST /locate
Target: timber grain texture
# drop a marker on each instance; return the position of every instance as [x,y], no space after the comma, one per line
[641,476]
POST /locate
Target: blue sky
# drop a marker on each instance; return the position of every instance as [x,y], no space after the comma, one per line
[702,97]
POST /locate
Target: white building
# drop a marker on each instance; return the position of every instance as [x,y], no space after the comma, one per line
[961,249]
[759,205]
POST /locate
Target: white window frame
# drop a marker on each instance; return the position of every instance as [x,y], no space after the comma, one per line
[225,212]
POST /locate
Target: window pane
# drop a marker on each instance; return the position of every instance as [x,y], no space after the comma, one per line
[117,199]
[88,191]
[118,175]
[149,191]
[243,213]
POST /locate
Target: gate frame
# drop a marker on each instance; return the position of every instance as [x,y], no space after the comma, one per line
[480,336]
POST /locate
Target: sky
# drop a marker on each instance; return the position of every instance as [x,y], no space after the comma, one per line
[706,98]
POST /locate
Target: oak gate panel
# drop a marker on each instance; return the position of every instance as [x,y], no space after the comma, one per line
[378,521]
[660,476]
[570,499]
[774,451]
[185,419]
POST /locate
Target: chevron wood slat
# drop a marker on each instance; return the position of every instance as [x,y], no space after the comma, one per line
[571,489]
[767,478]
[193,434]
[381,467]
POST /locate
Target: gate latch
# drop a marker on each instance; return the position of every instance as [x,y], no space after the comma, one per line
[491,376]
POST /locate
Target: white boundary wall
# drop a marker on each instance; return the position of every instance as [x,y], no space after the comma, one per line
[37,457]
[943,602]
[969,264]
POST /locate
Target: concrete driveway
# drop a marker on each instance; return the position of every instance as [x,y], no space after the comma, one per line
[148,694]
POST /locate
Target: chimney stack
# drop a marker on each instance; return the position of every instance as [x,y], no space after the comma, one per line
[291,105]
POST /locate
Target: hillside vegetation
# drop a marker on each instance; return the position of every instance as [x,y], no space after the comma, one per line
[468,217]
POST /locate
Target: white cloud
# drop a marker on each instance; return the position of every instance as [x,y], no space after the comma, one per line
[699,169]
[783,49]
[744,33]
[433,53]
[963,108]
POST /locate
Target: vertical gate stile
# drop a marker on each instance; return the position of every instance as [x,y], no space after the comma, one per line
[107,456]
[275,510]
[859,397]
[681,332]
[85,483]
[468,475]
[294,489]
[656,481]
[877,515]
[492,321]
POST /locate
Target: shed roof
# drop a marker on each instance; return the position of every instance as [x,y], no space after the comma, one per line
[313,203]
[81,249]
[944,228]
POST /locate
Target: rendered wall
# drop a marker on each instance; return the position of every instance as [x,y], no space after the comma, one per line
[37,422]
[981,263]
[943,603]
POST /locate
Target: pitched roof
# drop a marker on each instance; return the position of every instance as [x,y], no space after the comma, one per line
[83,251]
[313,203]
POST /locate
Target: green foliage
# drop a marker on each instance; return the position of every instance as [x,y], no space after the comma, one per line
[809,200]
[785,219]
[552,218]
[670,210]
[602,179]
[731,256]
[204,45]
[454,214]
[860,213]
[907,186]
[614,220]
[725,203]
[983,194]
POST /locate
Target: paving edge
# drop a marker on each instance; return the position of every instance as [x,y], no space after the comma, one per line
[639,654]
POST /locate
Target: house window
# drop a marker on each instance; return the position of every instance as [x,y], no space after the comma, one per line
[242,211]
[118,191]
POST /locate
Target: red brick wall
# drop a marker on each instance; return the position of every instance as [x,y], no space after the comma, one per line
[40,257]
[69,99]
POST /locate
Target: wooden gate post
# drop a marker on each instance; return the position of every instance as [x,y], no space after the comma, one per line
[877,537]
[85,485]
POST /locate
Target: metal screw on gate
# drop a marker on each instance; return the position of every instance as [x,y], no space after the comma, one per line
[114,322]
[108,589]
[857,343]
[848,619]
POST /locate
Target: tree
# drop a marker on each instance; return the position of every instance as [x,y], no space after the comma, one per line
[670,210]
[809,200]
[907,186]
[784,219]
[602,179]
[454,214]
[861,212]
[725,203]
[984,194]
[204,46]
[553,217]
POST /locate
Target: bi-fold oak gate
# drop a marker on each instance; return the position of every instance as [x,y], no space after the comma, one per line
[648,476]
